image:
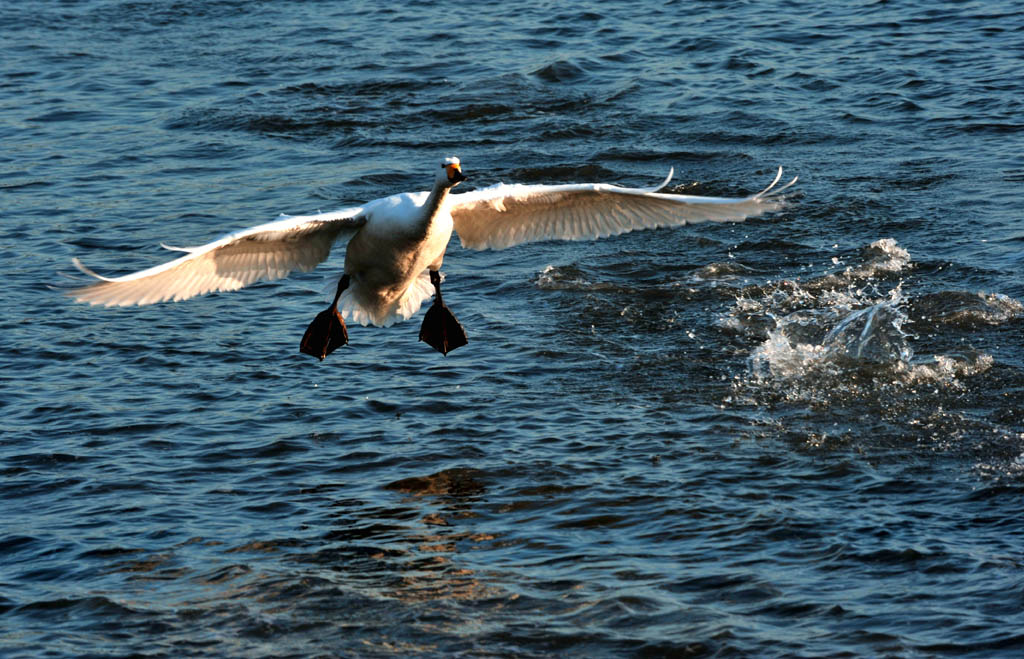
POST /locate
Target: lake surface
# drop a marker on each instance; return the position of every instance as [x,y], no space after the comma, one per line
[801,435]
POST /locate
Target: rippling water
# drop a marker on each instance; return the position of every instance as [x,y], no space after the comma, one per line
[801,435]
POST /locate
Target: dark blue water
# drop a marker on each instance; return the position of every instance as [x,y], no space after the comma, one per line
[798,436]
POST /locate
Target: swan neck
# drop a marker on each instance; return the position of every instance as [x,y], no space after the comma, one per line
[434,203]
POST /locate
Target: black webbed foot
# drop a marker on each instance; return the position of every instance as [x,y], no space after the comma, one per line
[327,332]
[440,329]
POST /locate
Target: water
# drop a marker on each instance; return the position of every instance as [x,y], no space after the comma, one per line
[798,436]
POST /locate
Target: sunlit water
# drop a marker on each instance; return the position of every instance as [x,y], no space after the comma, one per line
[798,436]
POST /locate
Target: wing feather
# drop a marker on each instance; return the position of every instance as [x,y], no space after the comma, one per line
[505,215]
[265,252]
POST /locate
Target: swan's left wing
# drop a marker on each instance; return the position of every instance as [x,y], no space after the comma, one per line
[265,252]
[505,215]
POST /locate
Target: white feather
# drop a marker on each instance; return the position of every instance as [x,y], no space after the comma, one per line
[265,252]
[503,215]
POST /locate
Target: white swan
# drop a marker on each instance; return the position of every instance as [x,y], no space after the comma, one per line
[398,243]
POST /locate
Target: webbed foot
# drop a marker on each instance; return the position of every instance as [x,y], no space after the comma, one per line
[327,332]
[441,330]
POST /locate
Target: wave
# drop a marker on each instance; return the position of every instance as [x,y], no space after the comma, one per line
[569,277]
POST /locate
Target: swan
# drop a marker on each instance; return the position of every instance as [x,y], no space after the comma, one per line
[397,245]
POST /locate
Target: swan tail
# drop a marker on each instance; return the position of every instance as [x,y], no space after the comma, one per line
[386,315]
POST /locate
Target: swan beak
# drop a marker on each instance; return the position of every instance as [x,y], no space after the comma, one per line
[455,173]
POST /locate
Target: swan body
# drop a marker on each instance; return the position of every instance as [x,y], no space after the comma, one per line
[389,258]
[398,243]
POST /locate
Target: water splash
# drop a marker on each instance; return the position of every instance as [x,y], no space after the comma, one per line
[832,348]
[840,337]
[872,334]
[889,369]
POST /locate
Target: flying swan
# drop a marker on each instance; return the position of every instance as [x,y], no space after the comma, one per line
[397,244]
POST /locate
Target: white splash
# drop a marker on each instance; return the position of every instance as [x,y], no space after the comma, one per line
[839,336]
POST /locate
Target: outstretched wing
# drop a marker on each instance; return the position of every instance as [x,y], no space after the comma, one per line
[265,252]
[502,215]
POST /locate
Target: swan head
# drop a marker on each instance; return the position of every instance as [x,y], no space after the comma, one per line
[451,173]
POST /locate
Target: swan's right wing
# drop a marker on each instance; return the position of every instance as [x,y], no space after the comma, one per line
[265,252]
[505,215]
